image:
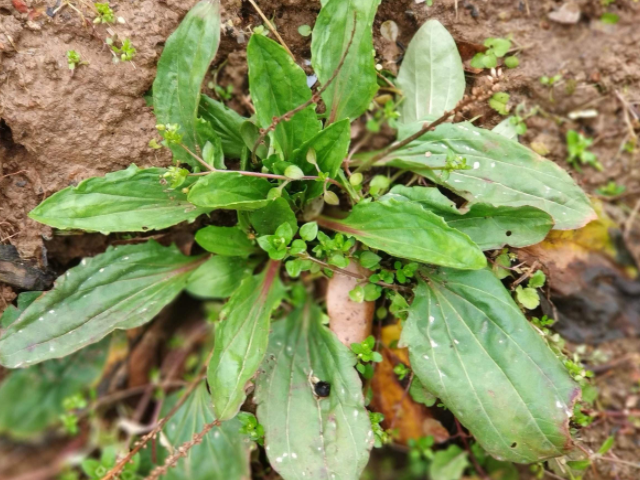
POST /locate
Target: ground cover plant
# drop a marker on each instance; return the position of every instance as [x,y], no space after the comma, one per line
[420,226]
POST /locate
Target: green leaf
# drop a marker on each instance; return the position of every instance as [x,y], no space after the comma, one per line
[407,230]
[493,227]
[32,398]
[212,152]
[307,436]
[331,147]
[606,445]
[356,84]
[470,346]
[448,464]
[131,200]
[225,122]
[241,340]
[266,220]
[431,76]
[527,297]
[278,86]
[420,393]
[537,279]
[123,288]
[309,231]
[224,451]
[230,190]
[183,64]
[428,197]
[499,46]
[226,241]
[503,173]
[11,313]
[507,128]
[218,277]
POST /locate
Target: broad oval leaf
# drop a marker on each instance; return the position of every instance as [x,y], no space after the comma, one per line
[183,64]
[356,84]
[278,86]
[494,227]
[266,220]
[407,230]
[224,451]
[226,241]
[331,146]
[307,436]
[131,200]
[241,340]
[230,190]
[122,288]
[470,345]
[225,122]
[503,173]
[218,277]
[431,76]
[489,227]
[31,398]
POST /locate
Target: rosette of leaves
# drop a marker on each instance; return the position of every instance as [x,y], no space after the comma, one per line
[469,343]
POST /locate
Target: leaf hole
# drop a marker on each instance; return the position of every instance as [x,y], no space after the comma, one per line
[514,444]
[509,233]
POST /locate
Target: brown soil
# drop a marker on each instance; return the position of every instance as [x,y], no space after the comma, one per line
[57,129]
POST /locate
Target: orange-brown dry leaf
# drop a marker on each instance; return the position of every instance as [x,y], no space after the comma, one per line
[391,398]
[349,320]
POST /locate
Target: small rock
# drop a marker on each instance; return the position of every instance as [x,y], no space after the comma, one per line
[567,14]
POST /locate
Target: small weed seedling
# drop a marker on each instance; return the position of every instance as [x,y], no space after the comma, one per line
[578,151]
[308,208]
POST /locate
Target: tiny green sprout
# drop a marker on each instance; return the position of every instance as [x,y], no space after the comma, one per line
[381,437]
[402,371]
[499,102]
[496,48]
[260,30]
[453,162]
[170,133]
[366,355]
[153,143]
[550,81]
[611,189]
[388,113]
[609,18]
[224,93]
[105,13]
[304,30]
[126,50]
[399,306]
[405,272]
[73,59]
[276,245]
[578,150]
[511,61]
[251,427]
[176,176]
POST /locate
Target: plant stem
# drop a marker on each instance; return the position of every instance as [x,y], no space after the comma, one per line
[254,174]
[315,98]
[115,471]
[271,27]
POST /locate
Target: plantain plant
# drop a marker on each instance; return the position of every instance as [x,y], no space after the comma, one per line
[306,209]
